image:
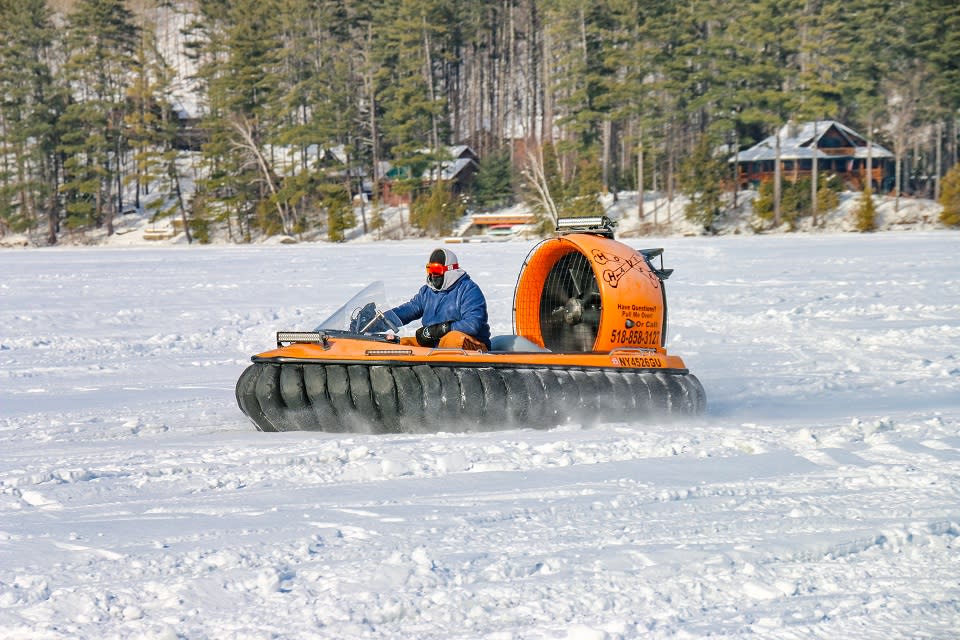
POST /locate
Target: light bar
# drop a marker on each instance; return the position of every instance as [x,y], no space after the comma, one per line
[593,221]
[594,224]
[290,337]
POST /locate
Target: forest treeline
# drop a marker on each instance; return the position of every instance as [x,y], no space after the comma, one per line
[561,99]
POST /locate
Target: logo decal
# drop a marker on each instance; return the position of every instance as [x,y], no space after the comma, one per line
[617,267]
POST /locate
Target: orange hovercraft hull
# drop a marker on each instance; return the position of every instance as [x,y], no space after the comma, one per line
[589,321]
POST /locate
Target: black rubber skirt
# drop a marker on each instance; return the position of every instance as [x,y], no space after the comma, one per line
[346,398]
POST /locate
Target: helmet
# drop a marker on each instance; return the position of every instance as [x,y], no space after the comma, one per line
[443,269]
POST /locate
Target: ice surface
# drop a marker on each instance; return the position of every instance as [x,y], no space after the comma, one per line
[818,498]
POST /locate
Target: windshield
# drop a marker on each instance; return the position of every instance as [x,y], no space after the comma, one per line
[365,312]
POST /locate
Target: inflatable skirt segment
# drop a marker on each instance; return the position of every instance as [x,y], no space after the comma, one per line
[429,398]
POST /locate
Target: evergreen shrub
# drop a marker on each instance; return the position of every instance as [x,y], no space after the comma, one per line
[865,215]
[436,211]
[950,197]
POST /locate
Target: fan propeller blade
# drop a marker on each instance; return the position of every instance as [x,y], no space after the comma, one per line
[570,305]
[575,279]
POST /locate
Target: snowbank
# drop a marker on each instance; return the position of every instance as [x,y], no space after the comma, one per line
[662,218]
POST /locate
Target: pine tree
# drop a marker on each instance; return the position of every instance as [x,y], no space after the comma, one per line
[828,193]
[238,50]
[494,185]
[414,126]
[934,28]
[582,193]
[340,217]
[824,56]
[872,29]
[638,89]
[769,95]
[30,107]
[702,179]
[935,36]
[101,38]
[314,107]
[582,32]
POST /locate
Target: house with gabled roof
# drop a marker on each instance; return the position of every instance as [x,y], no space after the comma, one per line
[459,170]
[839,151]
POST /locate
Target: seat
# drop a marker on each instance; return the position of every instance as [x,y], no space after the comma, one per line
[515,343]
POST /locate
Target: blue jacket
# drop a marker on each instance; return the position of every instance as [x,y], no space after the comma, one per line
[463,305]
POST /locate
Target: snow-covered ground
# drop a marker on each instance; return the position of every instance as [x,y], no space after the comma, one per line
[662,217]
[818,498]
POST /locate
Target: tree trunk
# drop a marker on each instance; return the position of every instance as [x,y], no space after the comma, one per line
[53,215]
[670,154]
[954,128]
[939,162]
[653,184]
[503,78]
[605,153]
[546,121]
[640,175]
[777,177]
[736,165]
[431,91]
[363,210]
[175,176]
[897,177]
[813,175]
[535,59]
[374,130]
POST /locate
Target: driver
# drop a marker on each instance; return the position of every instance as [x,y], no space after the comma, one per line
[451,305]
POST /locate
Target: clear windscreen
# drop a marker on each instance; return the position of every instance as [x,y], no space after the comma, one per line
[365,312]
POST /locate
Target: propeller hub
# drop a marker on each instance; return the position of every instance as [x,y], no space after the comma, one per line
[573,311]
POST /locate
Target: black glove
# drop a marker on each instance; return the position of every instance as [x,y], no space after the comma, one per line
[430,336]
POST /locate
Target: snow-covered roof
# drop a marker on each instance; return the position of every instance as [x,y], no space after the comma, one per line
[339,152]
[797,143]
[451,169]
[461,150]
[454,152]
[462,158]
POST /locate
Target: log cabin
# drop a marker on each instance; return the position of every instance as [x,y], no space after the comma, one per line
[840,151]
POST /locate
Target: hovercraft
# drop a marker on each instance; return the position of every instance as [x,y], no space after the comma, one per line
[589,319]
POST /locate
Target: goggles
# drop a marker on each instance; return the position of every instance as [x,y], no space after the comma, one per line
[437,269]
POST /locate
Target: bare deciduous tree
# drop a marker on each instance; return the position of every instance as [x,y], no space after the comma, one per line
[535,173]
[247,142]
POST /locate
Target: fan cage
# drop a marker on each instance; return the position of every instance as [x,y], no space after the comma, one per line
[549,269]
[570,305]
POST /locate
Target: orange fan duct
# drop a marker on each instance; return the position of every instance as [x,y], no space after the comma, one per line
[588,292]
